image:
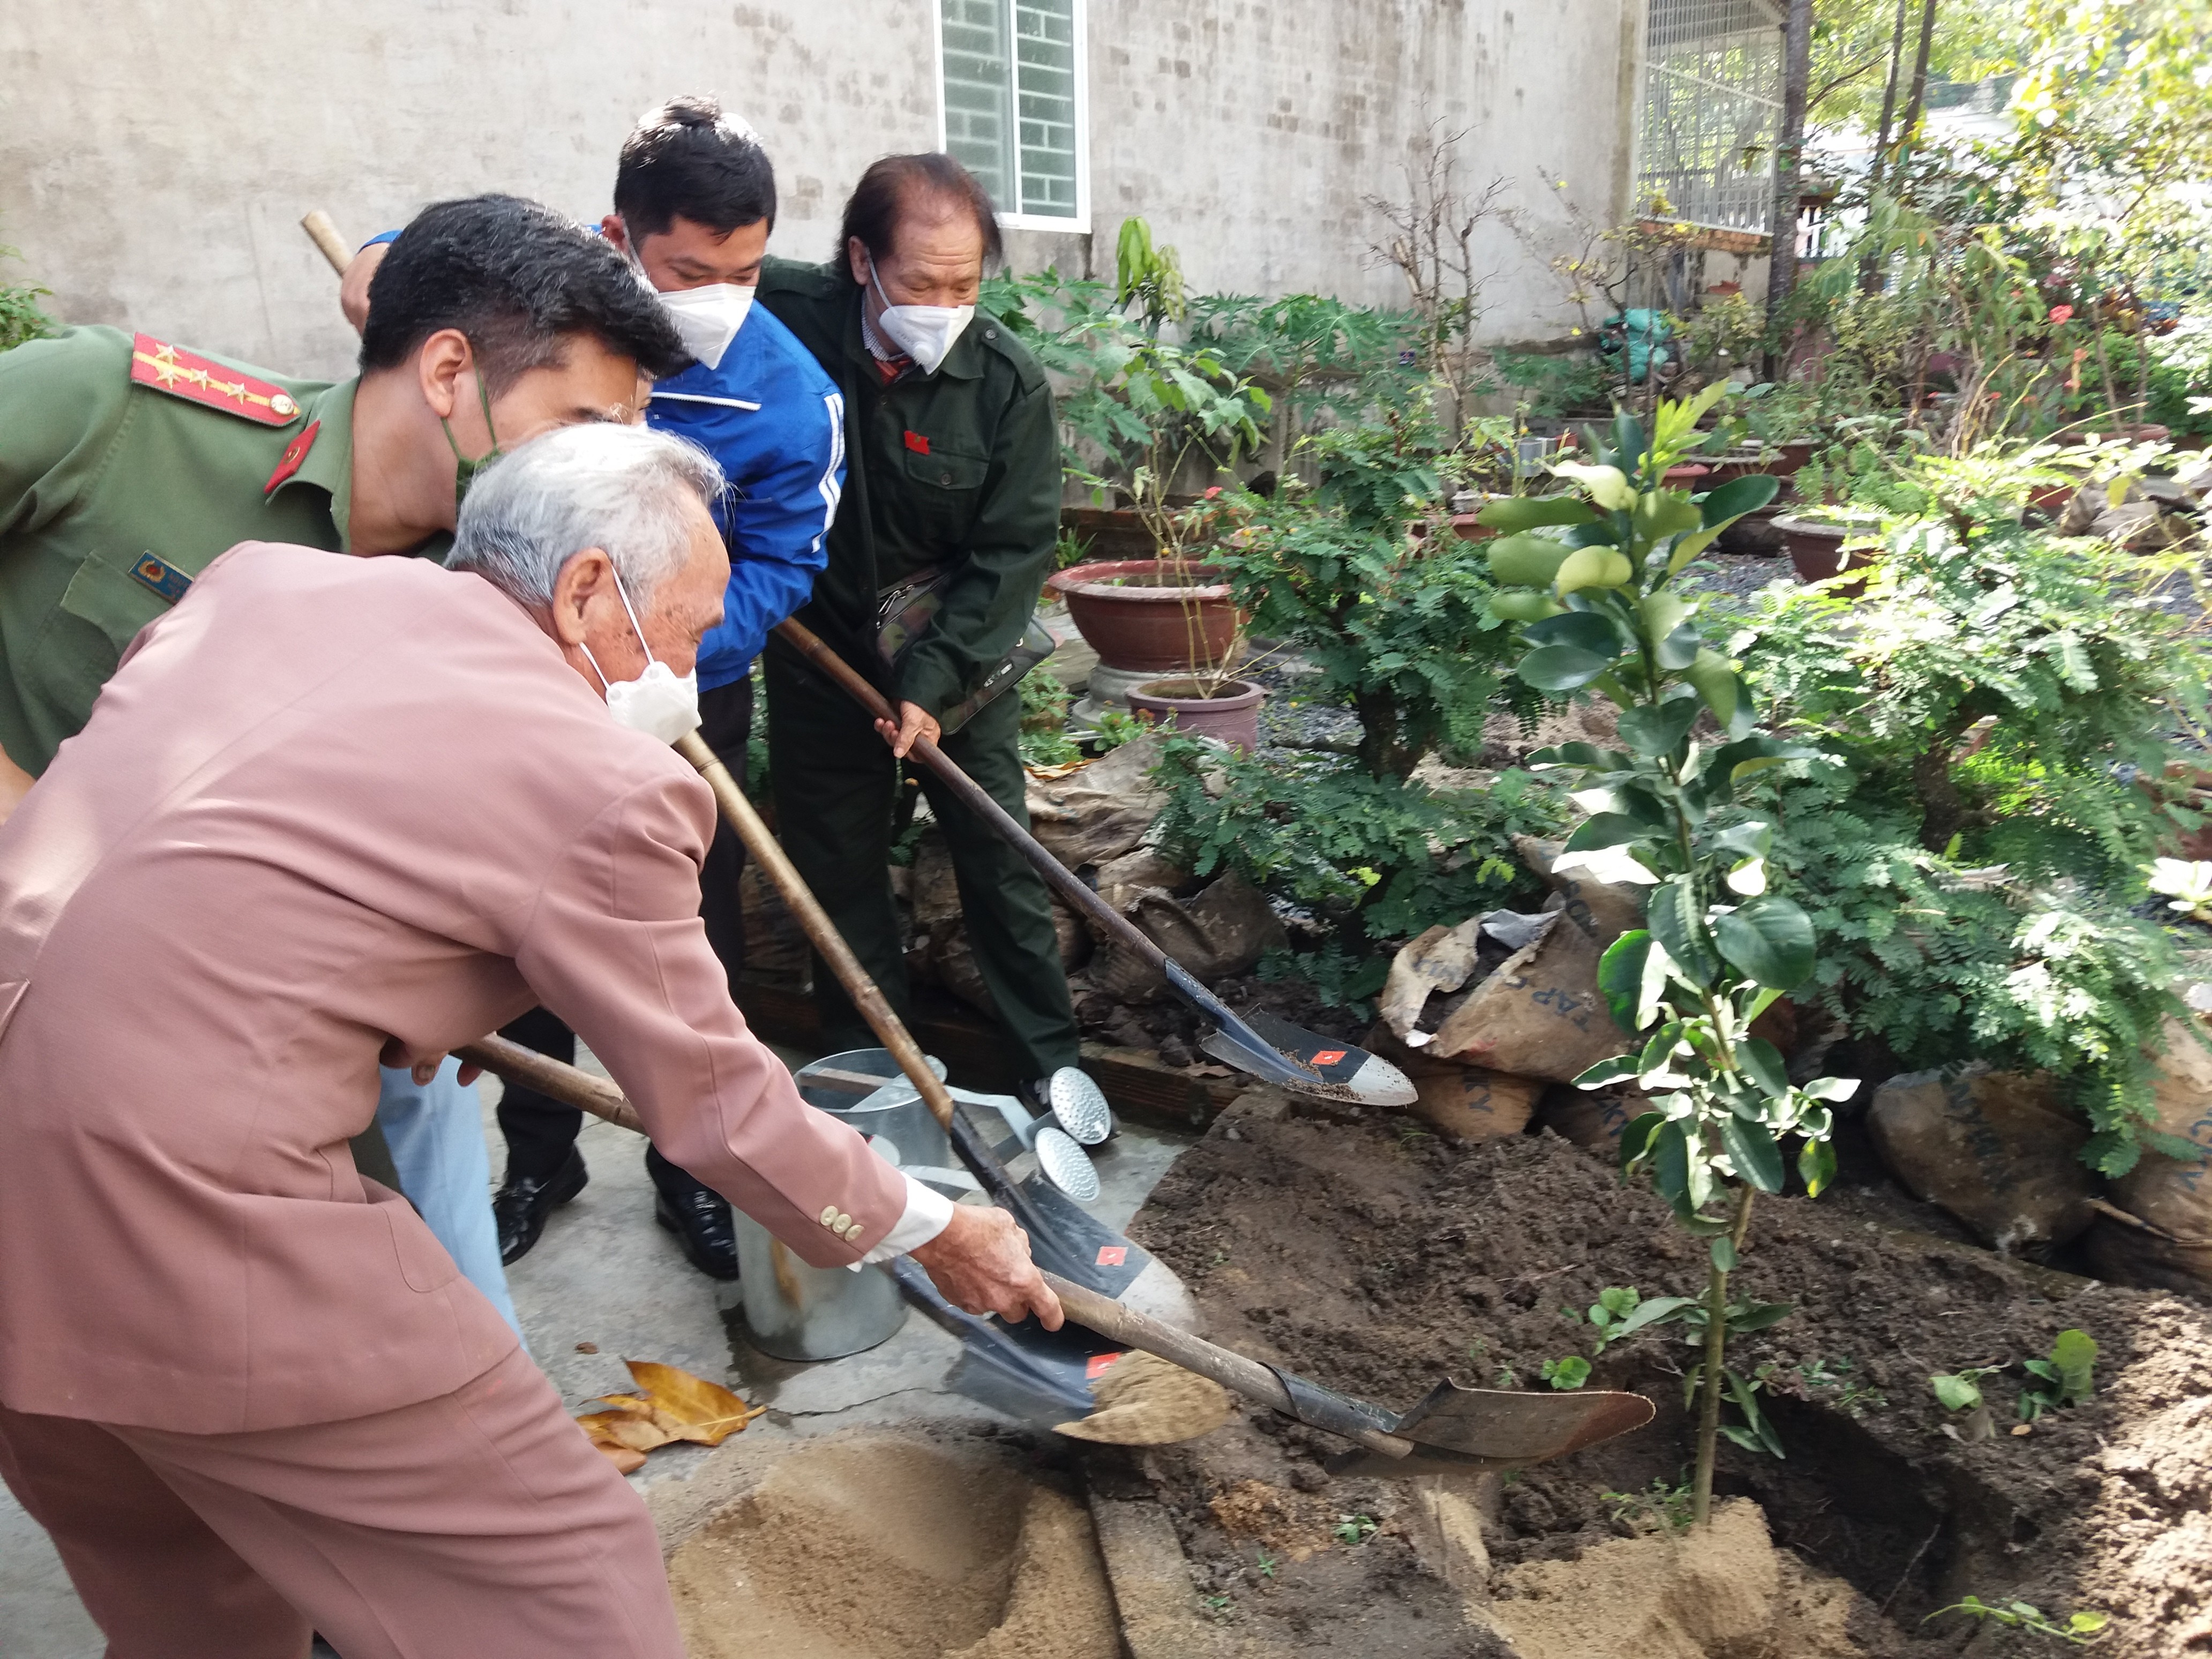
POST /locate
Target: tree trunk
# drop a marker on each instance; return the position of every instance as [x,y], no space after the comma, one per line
[1942,808]
[1870,271]
[1908,131]
[1788,182]
[1382,749]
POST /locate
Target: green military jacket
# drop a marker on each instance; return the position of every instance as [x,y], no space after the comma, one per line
[956,470]
[127,465]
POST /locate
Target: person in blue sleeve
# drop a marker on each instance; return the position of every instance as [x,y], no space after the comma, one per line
[693,203]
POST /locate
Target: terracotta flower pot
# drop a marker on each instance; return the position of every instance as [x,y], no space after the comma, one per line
[1816,550]
[1147,614]
[1690,475]
[2050,500]
[1233,716]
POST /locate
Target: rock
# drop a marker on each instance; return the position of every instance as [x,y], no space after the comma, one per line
[1540,1015]
[1995,1148]
[2171,1248]
[1604,910]
[1097,813]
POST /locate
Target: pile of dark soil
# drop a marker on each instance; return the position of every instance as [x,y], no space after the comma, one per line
[1375,1260]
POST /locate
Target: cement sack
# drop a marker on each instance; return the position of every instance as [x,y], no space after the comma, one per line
[1998,1149]
[1603,910]
[1461,1103]
[1146,870]
[2171,1200]
[776,951]
[1097,813]
[1594,1119]
[1222,932]
[1540,1015]
[948,958]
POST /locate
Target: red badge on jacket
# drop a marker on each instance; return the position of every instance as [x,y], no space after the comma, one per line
[295,453]
[917,443]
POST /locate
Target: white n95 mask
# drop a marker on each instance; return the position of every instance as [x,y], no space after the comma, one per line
[924,333]
[656,702]
[709,318]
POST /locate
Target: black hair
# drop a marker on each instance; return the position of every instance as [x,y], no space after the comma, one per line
[516,279]
[688,159]
[874,211]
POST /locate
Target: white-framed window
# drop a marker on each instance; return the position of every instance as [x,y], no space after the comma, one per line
[1013,106]
[1712,107]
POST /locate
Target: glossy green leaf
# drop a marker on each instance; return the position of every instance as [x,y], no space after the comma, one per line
[1729,502]
[1831,1088]
[1654,731]
[1533,512]
[1768,939]
[1749,1317]
[1665,512]
[1620,975]
[1657,1311]
[1562,667]
[1636,1139]
[1751,1149]
[1604,829]
[1722,1252]
[1671,1163]
[1816,1166]
[1629,443]
[1620,1067]
[1526,561]
[1677,922]
[2072,1354]
[1763,1064]
[1687,547]
[1586,630]
[1662,613]
[1680,648]
[1716,682]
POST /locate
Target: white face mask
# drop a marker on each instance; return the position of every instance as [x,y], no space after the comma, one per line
[709,318]
[656,702]
[924,333]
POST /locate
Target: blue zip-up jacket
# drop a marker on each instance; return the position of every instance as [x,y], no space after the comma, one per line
[776,424]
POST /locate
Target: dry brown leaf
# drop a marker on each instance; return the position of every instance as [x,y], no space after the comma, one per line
[691,1407]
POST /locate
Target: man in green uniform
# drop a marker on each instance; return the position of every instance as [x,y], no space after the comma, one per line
[128,464]
[952,500]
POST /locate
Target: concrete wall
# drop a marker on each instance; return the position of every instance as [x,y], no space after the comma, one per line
[155,157]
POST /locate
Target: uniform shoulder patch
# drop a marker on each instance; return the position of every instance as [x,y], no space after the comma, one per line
[165,367]
[294,453]
[997,336]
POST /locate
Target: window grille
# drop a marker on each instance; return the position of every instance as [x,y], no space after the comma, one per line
[1013,102]
[1712,107]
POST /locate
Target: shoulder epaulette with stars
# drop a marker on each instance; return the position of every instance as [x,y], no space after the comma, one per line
[172,369]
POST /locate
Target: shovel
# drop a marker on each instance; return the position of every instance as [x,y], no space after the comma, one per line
[1451,1429]
[1271,1049]
[1062,1236]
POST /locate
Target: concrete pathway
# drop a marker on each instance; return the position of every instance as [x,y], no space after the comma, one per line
[605,1275]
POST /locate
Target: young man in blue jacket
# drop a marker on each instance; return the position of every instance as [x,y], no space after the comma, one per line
[693,203]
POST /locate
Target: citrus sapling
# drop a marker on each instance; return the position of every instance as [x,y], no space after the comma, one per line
[2064,1379]
[1671,809]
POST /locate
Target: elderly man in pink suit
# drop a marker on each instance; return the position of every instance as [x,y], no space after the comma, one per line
[329,808]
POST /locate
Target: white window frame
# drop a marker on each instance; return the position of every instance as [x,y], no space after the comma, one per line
[1077,224]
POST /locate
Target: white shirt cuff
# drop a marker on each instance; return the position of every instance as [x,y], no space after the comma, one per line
[928,1213]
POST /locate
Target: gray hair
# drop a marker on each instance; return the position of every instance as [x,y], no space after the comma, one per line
[622,489]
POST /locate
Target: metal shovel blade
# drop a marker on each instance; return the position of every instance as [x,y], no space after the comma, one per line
[1456,1428]
[1306,1063]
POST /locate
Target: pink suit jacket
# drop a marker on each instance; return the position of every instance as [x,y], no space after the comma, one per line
[325,799]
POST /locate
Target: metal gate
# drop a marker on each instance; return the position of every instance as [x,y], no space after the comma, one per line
[1712,106]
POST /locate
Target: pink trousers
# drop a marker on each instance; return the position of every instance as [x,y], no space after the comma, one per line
[480,1525]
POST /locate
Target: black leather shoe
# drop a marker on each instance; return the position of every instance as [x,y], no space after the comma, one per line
[519,1207]
[701,1221]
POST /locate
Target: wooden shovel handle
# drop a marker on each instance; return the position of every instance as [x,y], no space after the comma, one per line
[551,1078]
[324,235]
[1057,876]
[821,932]
[1120,1322]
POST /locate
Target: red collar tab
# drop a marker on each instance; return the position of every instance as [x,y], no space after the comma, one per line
[294,453]
[169,368]
[917,443]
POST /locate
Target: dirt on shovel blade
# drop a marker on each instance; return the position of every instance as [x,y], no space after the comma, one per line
[1145,1400]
